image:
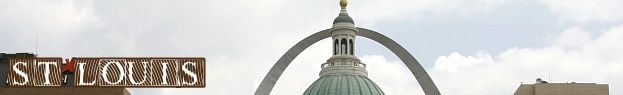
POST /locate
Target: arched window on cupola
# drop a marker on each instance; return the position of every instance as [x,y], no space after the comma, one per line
[335,47]
[350,42]
[343,46]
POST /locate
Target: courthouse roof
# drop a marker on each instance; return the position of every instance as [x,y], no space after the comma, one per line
[344,84]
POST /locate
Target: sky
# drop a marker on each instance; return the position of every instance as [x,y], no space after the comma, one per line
[468,47]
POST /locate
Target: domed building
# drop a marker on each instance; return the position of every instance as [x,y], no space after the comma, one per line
[343,73]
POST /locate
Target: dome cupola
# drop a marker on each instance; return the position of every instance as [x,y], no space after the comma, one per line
[343,73]
[343,16]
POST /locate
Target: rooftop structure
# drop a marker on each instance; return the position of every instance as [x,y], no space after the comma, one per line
[572,88]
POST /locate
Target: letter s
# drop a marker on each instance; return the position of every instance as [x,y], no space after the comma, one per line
[189,73]
[21,73]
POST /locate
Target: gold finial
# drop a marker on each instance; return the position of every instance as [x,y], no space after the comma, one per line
[343,3]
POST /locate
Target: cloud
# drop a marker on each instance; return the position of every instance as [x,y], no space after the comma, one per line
[368,12]
[587,10]
[572,56]
[393,77]
[22,21]
[448,63]
[587,60]
[241,39]
[594,60]
[572,37]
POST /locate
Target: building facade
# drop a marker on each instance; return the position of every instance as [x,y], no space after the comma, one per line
[545,88]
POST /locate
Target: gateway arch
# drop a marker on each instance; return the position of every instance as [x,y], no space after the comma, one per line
[414,66]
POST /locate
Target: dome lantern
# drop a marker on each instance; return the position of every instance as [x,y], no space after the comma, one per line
[343,73]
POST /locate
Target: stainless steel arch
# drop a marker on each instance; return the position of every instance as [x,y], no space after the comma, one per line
[414,66]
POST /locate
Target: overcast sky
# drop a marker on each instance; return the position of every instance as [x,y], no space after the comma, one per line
[469,47]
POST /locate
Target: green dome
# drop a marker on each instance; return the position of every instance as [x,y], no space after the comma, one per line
[344,84]
[343,18]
